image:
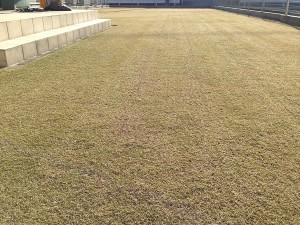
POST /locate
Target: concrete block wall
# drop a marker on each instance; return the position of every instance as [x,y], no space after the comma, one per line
[24,38]
[13,28]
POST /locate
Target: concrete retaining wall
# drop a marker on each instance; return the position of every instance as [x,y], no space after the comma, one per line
[25,36]
[291,20]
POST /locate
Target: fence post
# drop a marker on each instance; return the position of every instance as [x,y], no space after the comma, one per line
[287,7]
[263,5]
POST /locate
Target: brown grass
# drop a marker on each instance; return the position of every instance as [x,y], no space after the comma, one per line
[174,116]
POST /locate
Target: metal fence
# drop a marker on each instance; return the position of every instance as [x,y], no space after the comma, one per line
[287,7]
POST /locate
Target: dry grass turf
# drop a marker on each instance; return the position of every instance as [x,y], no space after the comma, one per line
[173,116]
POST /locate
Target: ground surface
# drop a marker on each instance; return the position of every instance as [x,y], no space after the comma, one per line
[174,116]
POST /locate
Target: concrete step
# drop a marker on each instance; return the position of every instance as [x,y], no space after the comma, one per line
[16,25]
[14,51]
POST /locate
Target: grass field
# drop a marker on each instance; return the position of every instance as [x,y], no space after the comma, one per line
[173,116]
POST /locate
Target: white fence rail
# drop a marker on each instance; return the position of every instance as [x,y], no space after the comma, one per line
[286,7]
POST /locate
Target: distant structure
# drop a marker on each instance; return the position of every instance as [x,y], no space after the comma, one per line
[184,3]
[121,2]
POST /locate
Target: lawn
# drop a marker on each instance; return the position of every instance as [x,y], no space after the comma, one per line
[173,116]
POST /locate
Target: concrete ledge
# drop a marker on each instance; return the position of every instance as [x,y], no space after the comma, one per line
[13,25]
[11,55]
[4,32]
[14,29]
[22,48]
[291,20]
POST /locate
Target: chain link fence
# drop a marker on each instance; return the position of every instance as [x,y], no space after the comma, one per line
[286,7]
